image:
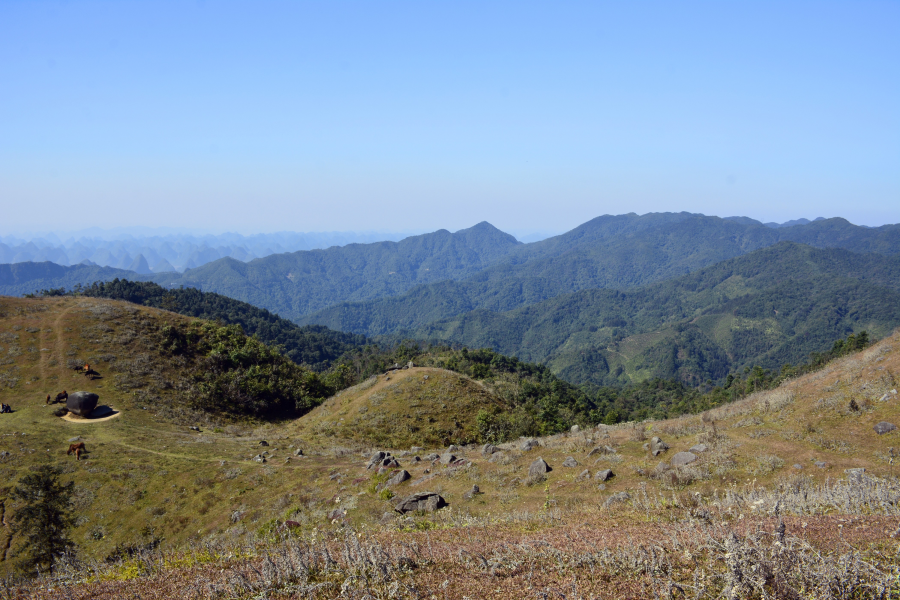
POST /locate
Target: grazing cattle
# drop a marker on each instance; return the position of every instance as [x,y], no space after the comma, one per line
[48,398]
[62,396]
[76,448]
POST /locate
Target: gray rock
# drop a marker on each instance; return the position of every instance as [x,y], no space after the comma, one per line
[604,475]
[821,464]
[416,449]
[422,501]
[470,495]
[432,457]
[657,446]
[798,466]
[447,458]
[399,478]
[416,459]
[77,438]
[298,452]
[488,449]
[575,429]
[260,458]
[376,459]
[884,427]
[885,397]
[855,475]
[699,448]
[527,445]
[453,449]
[683,458]
[82,403]
[570,462]
[583,475]
[617,499]
[496,457]
[539,467]
[602,450]
[263,443]
[601,486]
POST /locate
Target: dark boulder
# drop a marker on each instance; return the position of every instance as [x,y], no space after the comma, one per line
[657,446]
[82,403]
[399,478]
[422,501]
[604,475]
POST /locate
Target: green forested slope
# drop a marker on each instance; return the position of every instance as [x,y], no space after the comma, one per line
[19,279]
[608,252]
[769,307]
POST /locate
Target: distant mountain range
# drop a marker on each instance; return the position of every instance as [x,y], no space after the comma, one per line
[603,303]
[146,254]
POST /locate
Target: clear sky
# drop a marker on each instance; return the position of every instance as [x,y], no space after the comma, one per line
[267,116]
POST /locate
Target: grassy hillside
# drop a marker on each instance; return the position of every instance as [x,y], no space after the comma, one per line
[419,406]
[617,252]
[776,455]
[771,307]
[314,346]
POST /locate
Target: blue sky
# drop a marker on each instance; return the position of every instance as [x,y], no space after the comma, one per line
[268,116]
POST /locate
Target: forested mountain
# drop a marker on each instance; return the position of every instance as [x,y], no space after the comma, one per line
[770,307]
[608,252]
[312,346]
[298,283]
[24,278]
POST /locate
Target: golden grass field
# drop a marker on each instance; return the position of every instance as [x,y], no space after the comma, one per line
[217,511]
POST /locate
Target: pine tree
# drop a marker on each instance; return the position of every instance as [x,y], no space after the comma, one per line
[43,519]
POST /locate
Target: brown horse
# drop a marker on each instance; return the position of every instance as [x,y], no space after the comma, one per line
[48,398]
[62,396]
[77,448]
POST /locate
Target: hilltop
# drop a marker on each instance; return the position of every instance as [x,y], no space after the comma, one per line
[150,480]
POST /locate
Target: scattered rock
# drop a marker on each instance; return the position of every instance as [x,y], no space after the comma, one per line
[416,459]
[528,445]
[604,475]
[583,475]
[298,452]
[77,438]
[422,501]
[197,429]
[496,457]
[683,458]
[798,466]
[601,486]
[416,449]
[570,462]
[699,448]
[453,448]
[399,478]
[821,464]
[575,429]
[855,474]
[488,449]
[602,450]
[263,443]
[884,427]
[657,446]
[432,457]
[616,499]
[337,514]
[447,458]
[470,495]
[538,468]
[259,458]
